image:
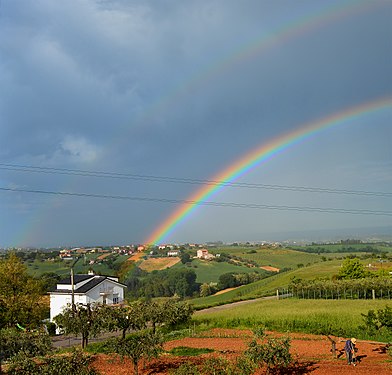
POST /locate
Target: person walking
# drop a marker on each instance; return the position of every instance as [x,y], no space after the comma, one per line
[349,348]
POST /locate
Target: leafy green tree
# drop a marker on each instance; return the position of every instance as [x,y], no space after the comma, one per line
[165,283]
[29,344]
[137,346]
[227,280]
[205,290]
[49,280]
[20,295]
[352,269]
[76,363]
[274,353]
[380,319]
[86,320]
[185,257]
[170,313]
[124,318]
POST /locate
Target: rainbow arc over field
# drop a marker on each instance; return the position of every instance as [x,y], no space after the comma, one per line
[259,156]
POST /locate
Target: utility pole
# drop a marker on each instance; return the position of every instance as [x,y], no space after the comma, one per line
[72,289]
[73,285]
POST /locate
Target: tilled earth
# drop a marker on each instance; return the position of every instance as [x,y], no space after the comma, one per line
[312,355]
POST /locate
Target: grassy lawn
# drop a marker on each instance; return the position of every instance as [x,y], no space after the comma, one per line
[209,271]
[281,258]
[338,317]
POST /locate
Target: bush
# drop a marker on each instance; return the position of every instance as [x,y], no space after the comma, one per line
[28,344]
[137,346]
[274,354]
[389,350]
[75,364]
[186,369]
[378,320]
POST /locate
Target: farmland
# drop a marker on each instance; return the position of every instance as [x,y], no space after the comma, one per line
[340,317]
[153,264]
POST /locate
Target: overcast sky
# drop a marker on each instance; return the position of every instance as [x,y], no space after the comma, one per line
[183,89]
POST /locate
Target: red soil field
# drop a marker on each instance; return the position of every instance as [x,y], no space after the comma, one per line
[312,354]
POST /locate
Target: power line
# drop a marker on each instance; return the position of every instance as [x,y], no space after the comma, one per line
[165,179]
[207,203]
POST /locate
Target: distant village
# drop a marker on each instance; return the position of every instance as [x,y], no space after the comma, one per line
[170,250]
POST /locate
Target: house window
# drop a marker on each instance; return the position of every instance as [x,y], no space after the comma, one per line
[116,299]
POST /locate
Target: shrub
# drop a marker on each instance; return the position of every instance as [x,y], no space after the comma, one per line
[274,354]
[216,366]
[75,364]
[378,320]
[187,368]
[29,344]
[389,350]
[137,346]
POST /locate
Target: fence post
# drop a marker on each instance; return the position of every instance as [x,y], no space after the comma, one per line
[277,293]
[373,294]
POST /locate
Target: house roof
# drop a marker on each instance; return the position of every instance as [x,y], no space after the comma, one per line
[77,279]
[95,280]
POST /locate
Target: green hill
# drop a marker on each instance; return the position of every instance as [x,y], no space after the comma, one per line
[209,271]
[270,285]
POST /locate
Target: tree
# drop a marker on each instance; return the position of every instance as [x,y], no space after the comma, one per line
[87,320]
[170,312]
[274,353]
[49,280]
[205,290]
[28,344]
[380,319]
[352,269]
[125,317]
[227,280]
[185,257]
[20,295]
[77,363]
[138,346]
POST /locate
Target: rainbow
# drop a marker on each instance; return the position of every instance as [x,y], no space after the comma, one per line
[261,155]
[259,45]
[320,17]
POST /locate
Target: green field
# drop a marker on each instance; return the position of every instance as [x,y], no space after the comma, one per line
[269,285]
[338,317]
[336,248]
[209,271]
[281,258]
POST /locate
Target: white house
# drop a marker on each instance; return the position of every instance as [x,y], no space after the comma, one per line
[173,253]
[87,289]
[204,254]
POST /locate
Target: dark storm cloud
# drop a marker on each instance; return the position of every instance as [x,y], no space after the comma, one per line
[165,88]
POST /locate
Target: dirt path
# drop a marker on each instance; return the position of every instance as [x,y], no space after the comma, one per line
[312,353]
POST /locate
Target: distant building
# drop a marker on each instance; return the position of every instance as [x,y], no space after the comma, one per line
[204,254]
[173,253]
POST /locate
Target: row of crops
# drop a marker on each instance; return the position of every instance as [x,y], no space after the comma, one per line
[367,288]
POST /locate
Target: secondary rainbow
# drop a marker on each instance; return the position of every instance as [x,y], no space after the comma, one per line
[259,156]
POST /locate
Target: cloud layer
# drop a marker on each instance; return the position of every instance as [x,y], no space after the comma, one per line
[183,89]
